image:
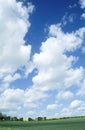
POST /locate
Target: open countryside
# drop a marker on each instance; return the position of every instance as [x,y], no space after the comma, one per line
[74,123]
[42,64]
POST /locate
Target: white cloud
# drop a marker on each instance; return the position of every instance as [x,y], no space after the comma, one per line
[82,3]
[34,94]
[81,90]
[74,76]
[54,71]
[75,104]
[10,78]
[73,6]
[29,67]
[65,112]
[75,108]
[32,114]
[65,95]
[30,105]
[53,65]
[54,68]
[83,50]
[52,107]
[3,86]
[83,15]
[68,18]
[71,41]
[13,95]
[11,99]
[14,24]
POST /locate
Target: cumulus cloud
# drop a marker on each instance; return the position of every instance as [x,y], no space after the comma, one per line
[81,90]
[10,78]
[75,104]
[52,107]
[82,3]
[68,18]
[72,6]
[74,76]
[83,15]
[55,71]
[14,24]
[65,95]
[75,108]
[83,50]
[35,93]
[11,99]
[53,65]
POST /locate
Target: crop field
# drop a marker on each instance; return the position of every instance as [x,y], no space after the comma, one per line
[62,124]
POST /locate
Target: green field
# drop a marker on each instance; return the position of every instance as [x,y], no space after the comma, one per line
[63,124]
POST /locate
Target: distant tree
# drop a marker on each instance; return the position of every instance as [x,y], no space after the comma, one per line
[1,116]
[4,117]
[20,119]
[44,118]
[40,118]
[30,119]
[8,118]
[15,118]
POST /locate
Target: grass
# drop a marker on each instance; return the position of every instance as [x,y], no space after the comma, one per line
[63,124]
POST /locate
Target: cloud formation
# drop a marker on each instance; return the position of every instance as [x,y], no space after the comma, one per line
[82,3]
[14,54]
[56,77]
[53,65]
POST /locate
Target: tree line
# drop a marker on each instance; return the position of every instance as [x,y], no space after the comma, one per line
[9,118]
[4,117]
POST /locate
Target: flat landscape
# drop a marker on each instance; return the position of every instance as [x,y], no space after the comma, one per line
[42,64]
[61,124]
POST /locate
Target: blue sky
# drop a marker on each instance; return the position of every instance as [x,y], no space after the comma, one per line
[42,52]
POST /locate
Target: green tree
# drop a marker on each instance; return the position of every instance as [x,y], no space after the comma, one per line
[1,116]
[44,118]
[21,119]
[40,118]
[30,119]
[15,118]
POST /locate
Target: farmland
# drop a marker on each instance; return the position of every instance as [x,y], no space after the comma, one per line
[61,124]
